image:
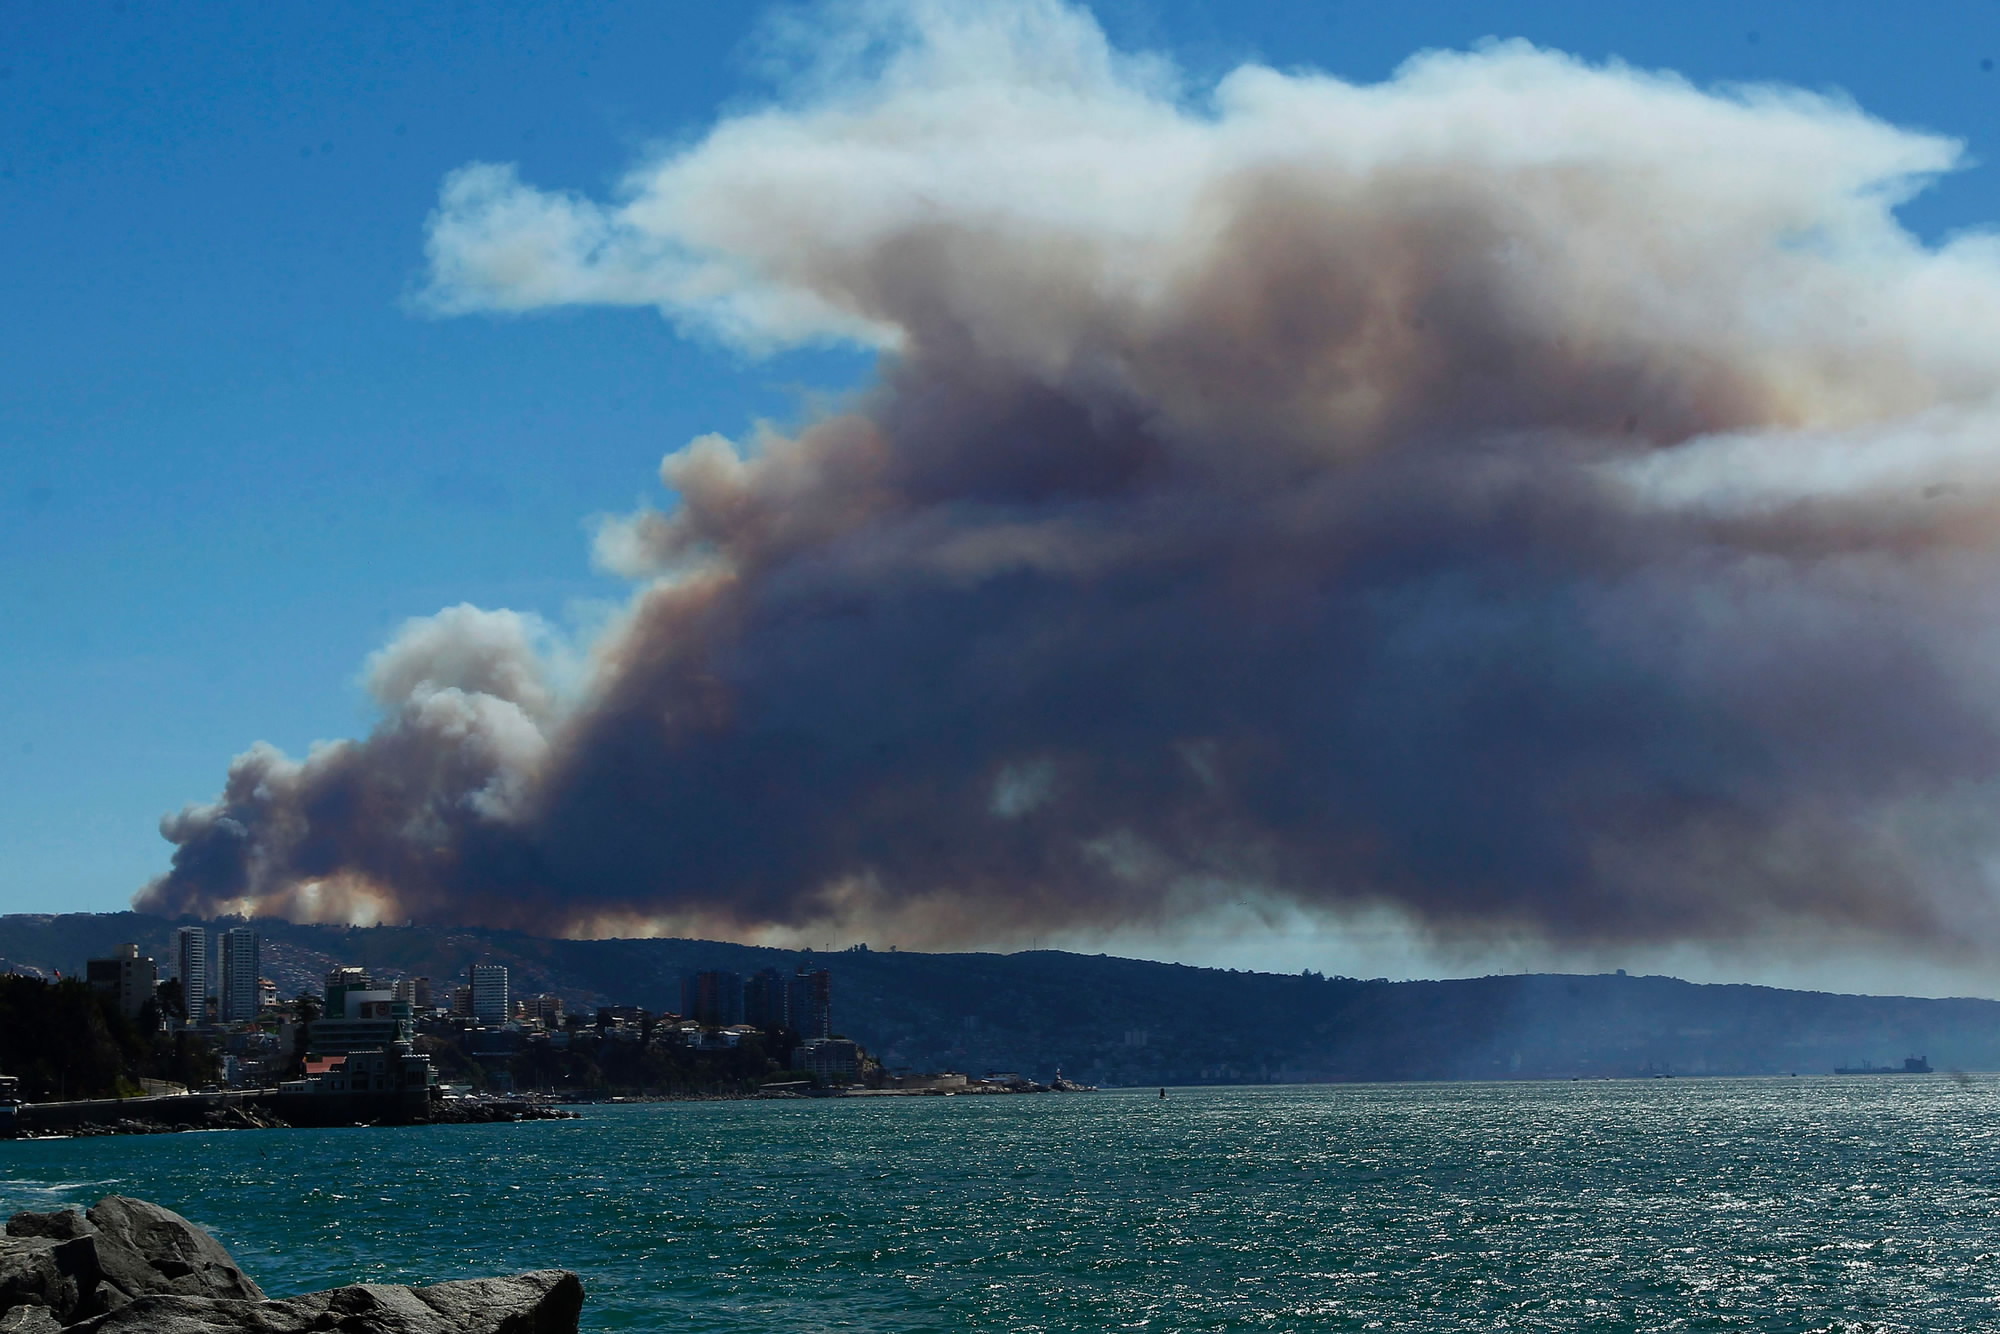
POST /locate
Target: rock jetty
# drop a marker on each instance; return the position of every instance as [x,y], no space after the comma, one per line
[129,1267]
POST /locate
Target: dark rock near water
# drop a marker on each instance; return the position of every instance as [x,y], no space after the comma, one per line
[56,1273]
[145,1249]
[188,1117]
[547,1301]
[63,1224]
[135,1268]
[243,1118]
[130,1249]
[490,1111]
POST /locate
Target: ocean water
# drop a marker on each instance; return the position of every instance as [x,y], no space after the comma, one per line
[1794,1204]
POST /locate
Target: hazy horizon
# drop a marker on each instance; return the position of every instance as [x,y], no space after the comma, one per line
[1382,954]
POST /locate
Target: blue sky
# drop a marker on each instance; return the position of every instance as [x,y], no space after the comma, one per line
[232,458]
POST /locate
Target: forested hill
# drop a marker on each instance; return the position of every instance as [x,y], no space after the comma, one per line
[1125,1021]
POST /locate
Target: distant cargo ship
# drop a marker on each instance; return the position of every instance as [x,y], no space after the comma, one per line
[1912,1065]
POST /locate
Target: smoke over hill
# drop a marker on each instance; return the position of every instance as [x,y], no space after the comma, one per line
[1540,497]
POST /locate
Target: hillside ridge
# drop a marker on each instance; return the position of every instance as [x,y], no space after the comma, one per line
[1114,1020]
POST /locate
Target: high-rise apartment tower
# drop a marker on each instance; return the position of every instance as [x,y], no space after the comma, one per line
[191,967]
[809,1003]
[489,993]
[236,984]
[714,997]
[764,999]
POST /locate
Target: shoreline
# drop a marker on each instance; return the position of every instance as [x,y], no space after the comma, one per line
[253,1110]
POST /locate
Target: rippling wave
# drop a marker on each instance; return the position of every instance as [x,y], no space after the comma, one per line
[1808,1205]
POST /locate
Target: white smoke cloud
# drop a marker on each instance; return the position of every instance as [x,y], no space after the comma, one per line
[504,654]
[1060,190]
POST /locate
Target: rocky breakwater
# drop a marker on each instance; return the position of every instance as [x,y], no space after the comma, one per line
[129,1267]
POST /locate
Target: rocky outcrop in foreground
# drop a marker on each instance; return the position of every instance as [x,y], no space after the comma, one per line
[129,1267]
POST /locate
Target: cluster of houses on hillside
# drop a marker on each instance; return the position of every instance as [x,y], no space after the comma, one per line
[361,1033]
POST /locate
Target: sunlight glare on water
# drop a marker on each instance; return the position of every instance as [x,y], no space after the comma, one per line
[1803,1204]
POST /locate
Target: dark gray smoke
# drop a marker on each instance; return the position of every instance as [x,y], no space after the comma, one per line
[1541,498]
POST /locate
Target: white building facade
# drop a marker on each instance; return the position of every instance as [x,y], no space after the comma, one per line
[490,1003]
[191,967]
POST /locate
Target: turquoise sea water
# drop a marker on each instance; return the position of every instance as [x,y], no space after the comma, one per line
[1799,1204]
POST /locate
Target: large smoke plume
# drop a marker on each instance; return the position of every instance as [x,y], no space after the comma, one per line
[1540,497]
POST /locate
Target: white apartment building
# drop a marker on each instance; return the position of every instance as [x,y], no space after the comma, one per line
[191,967]
[490,1004]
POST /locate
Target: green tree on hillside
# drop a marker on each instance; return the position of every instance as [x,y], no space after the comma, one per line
[67,1040]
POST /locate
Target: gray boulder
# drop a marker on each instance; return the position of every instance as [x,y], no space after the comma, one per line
[543,1301]
[129,1267]
[63,1224]
[146,1250]
[60,1275]
[547,1301]
[29,1320]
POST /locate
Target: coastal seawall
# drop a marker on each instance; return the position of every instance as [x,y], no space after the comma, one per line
[176,1110]
[251,1109]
